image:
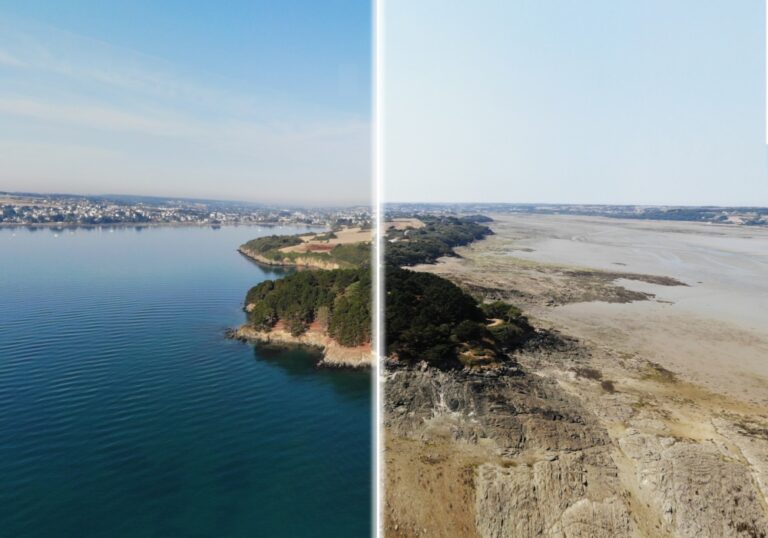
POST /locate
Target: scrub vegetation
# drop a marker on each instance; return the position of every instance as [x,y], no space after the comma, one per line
[339,301]
[437,238]
[428,318]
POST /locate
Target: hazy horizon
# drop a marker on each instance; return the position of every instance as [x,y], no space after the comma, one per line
[254,100]
[288,202]
[291,202]
[601,102]
[628,204]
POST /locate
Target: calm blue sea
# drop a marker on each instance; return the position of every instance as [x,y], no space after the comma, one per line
[125,412]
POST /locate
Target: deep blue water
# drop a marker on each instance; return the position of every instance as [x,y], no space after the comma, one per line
[124,411]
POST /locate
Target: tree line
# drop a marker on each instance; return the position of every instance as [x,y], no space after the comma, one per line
[427,317]
[339,299]
[435,239]
[430,318]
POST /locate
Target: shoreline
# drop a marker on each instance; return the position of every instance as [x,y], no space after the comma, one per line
[298,262]
[334,355]
[315,336]
[689,305]
[70,226]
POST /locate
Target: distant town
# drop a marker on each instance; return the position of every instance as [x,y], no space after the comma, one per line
[745,216]
[60,210]
[32,209]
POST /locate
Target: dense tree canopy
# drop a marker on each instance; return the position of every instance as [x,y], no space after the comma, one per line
[341,297]
[435,239]
[429,318]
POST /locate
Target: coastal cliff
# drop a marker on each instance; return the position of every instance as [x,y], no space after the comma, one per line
[306,262]
[334,354]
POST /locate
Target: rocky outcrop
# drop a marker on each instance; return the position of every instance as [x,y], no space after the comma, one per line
[334,354]
[534,463]
[696,489]
[535,455]
[692,463]
[306,262]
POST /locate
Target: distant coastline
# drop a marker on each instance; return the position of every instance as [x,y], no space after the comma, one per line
[75,225]
[32,209]
[725,215]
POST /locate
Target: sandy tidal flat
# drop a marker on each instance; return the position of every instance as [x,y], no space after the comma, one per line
[712,331]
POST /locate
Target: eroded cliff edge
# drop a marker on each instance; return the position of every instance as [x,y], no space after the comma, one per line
[296,261]
[333,353]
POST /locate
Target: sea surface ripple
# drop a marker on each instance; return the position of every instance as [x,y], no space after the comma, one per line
[124,411]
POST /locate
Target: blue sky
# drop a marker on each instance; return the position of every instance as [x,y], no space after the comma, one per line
[600,101]
[253,100]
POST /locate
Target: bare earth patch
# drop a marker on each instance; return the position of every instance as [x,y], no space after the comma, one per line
[403,224]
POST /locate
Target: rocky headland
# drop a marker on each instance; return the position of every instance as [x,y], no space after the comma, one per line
[326,307]
[334,355]
[558,444]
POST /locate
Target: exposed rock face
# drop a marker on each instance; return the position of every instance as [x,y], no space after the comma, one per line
[691,463]
[551,499]
[535,463]
[506,453]
[697,489]
[307,262]
[334,354]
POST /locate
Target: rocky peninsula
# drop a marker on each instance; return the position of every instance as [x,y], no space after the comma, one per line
[326,306]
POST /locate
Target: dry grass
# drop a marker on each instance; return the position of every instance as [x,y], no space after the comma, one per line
[347,236]
[403,224]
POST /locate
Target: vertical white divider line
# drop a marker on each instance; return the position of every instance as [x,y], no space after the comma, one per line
[378,257]
[765,29]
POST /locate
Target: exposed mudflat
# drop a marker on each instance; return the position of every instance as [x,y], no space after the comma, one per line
[648,418]
[618,283]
